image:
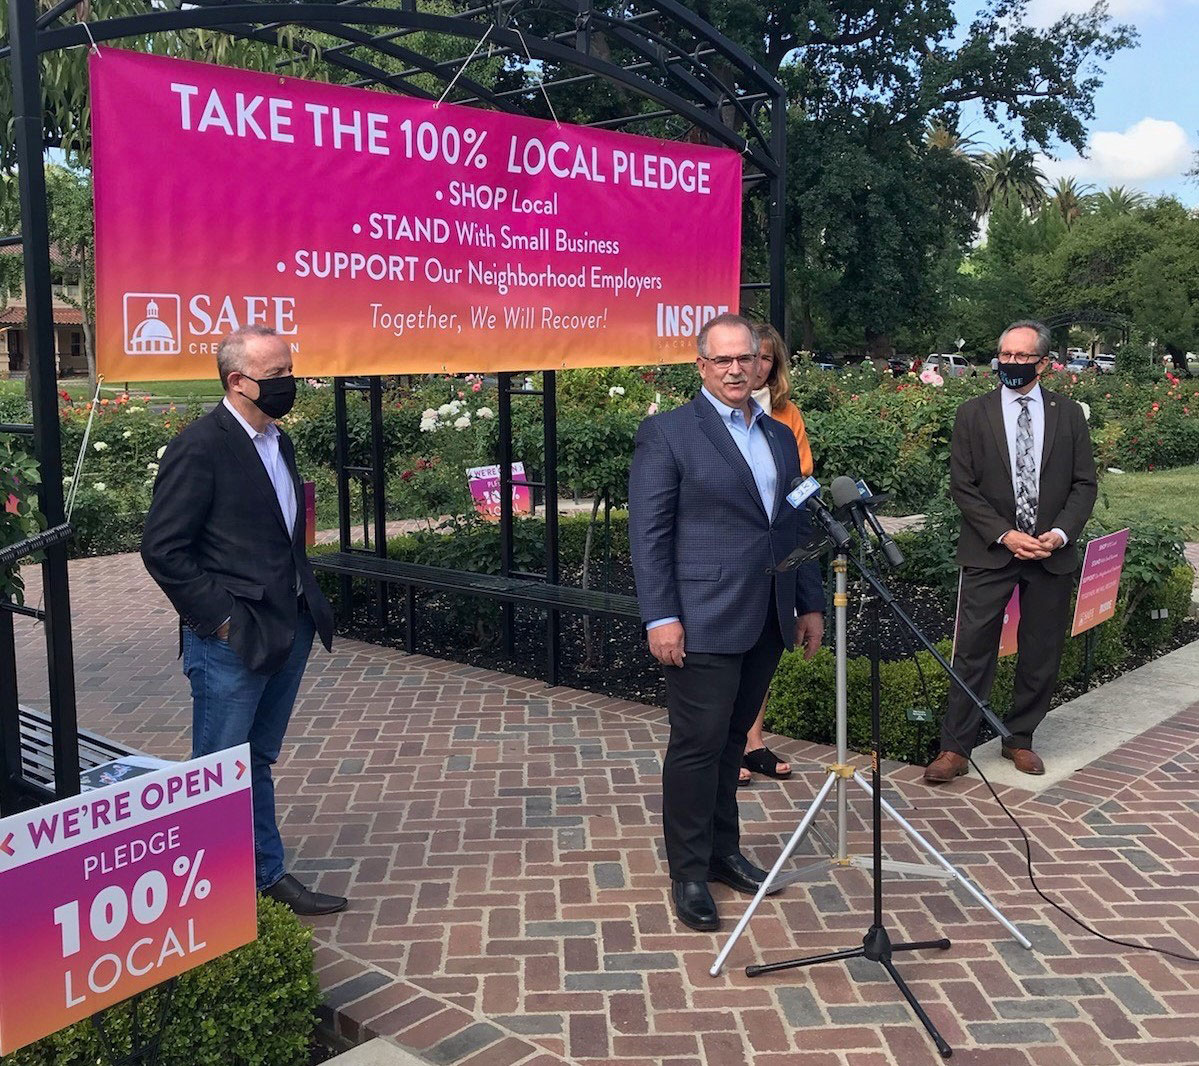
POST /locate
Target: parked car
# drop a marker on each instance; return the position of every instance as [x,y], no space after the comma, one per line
[950,366]
[899,366]
[1081,363]
[1105,363]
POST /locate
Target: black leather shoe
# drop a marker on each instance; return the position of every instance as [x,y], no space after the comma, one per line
[694,905]
[288,891]
[738,872]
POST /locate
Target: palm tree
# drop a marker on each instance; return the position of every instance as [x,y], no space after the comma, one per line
[1118,200]
[1070,200]
[1010,176]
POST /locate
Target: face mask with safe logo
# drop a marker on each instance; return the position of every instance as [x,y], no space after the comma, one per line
[1017,375]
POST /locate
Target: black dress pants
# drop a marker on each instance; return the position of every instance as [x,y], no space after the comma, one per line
[1044,611]
[711,700]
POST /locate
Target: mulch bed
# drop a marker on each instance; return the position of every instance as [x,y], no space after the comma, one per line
[611,657]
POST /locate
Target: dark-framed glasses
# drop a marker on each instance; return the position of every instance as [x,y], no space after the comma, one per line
[1020,357]
[724,362]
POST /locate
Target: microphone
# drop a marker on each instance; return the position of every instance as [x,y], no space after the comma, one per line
[845,498]
[39,541]
[849,494]
[805,492]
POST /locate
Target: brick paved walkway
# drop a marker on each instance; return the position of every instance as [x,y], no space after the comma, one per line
[500,843]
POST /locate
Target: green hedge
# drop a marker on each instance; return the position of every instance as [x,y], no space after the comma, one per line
[802,695]
[255,1006]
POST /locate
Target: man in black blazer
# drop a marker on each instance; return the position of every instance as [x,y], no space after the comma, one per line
[224,539]
[1022,474]
[709,523]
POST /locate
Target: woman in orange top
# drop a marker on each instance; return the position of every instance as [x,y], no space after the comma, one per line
[773,392]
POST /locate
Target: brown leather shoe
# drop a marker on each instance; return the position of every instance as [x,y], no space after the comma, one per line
[1027,761]
[944,768]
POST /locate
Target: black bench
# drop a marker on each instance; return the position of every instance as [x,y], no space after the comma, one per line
[37,749]
[509,590]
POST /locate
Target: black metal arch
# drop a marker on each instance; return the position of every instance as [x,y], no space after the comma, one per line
[673,59]
[1091,316]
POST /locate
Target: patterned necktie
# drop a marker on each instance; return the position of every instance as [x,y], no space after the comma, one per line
[1026,472]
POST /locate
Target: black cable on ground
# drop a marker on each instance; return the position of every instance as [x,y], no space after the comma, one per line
[1028,843]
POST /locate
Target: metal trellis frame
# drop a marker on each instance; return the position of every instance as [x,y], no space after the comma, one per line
[682,66]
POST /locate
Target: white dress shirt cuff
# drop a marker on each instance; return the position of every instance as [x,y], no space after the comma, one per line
[660,622]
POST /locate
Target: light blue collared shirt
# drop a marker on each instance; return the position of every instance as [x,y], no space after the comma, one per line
[754,446]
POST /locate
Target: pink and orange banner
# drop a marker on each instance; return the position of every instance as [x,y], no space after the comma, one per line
[386,234]
[109,893]
[1099,582]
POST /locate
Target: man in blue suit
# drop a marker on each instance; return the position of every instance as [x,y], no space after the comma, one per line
[709,523]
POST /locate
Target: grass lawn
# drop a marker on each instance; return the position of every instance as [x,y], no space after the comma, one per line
[1172,495]
[156,390]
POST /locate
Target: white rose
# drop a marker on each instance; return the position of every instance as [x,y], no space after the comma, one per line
[428,425]
[428,414]
[152,467]
[127,434]
[161,452]
[100,446]
[484,412]
[135,410]
[616,390]
[446,409]
[462,422]
[99,486]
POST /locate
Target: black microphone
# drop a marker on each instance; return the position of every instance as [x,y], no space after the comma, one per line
[805,493]
[36,543]
[847,495]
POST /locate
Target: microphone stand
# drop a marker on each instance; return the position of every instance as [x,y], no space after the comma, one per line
[877,945]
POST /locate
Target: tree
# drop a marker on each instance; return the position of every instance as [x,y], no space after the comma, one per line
[69,193]
[1009,177]
[1069,200]
[873,207]
[1117,200]
[1093,266]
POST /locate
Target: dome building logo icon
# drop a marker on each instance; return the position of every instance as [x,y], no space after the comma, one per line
[152,323]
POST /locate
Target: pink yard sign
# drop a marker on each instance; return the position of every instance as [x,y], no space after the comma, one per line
[485,491]
[1011,623]
[1099,583]
[385,234]
[112,892]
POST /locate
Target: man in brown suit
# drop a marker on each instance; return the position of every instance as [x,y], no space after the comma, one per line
[1022,474]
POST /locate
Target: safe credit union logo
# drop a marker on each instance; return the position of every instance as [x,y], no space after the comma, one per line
[153,324]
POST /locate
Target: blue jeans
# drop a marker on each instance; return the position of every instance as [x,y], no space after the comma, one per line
[232,705]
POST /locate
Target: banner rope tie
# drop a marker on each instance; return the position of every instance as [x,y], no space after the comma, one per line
[475,52]
[540,80]
[95,49]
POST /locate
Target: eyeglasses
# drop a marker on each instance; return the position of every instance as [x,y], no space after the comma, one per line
[1019,357]
[724,362]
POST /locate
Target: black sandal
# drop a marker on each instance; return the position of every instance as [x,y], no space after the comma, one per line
[764,761]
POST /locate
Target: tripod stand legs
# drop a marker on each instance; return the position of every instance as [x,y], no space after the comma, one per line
[944,1049]
[877,947]
[801,831]
[946,865]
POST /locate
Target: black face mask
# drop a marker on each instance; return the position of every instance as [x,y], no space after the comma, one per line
[276,396]
[1017,375]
